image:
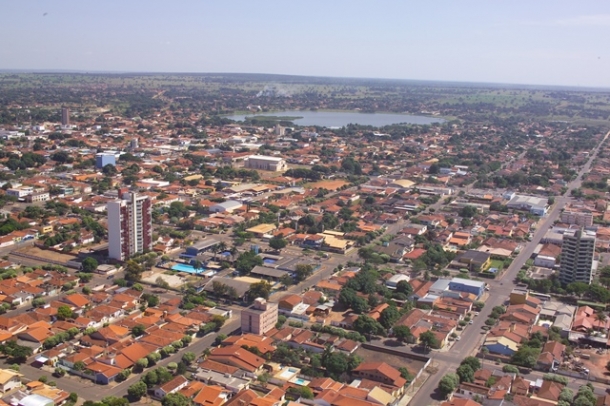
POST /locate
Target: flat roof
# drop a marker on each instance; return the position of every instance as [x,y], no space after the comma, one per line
[468,282]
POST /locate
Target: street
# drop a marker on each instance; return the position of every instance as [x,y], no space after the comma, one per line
[499,292]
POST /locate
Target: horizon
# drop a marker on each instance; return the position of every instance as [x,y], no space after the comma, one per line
[450,82]
[546,43]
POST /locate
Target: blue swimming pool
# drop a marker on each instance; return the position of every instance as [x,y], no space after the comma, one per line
[300,381]
[187,268]
[269,261]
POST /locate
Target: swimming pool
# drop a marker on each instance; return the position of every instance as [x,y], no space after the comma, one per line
[301,381]
[187,268]
[269,261]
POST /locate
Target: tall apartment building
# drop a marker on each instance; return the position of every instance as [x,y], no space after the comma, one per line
[65,116]
[260,317]
[577,253]
[129,226]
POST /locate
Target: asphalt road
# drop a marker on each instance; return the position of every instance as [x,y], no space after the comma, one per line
[499,291]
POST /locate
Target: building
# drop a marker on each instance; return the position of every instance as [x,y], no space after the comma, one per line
[9,380]
[260,317]
[577,253]
[266,163]
[38,197]
[103,158]
[467,285]
[228,206]
[129,226]
[535,205]
[65,116]
[581,218]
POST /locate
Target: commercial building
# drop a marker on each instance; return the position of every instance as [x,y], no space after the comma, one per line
[266,163]
[103,158]
[467,285]
[260,317]
[129,226]
[577,253]
[535,205]
[226,207]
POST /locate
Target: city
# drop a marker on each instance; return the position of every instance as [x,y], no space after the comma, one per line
[265,262]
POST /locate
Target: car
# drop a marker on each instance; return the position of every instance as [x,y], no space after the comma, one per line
[471,322]
[458,338]
[476,314]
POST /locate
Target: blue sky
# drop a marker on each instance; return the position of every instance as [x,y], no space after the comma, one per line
[527,42]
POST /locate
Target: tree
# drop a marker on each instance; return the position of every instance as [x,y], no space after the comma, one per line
[278,243]
[246,261]
[188,357]
[473,362]
[403,333]
[176,399]
[138,330]
[89,265]
[133,271]
[142,363]
[404,287]
[510,369]
[260,289]
[448,383]
[465,373]
[367,325]
[64,312]
[302,272]
[389,316]
[526,356]
[137,390]
[428,339]
[566,395]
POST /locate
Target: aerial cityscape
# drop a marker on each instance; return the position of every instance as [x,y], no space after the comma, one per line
[326,234]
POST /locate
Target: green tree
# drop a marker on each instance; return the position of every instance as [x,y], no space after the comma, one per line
[525,356]
[89,265]
[403,333]
[64,312]
[473,362]
[137,390]
[176,399]
[278,243]
[302,272]
[260,289]
[133,271]
[428,339]
[389,316]
[138,330]
[465,373]
[448,383]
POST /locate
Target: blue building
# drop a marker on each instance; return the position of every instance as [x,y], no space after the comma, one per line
[467,285]
[102,159]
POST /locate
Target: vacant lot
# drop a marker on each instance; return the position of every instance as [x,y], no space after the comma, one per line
[47,254]
[328,184]
[394,360]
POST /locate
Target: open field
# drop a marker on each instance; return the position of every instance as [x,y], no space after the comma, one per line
[394,360]
[47,254]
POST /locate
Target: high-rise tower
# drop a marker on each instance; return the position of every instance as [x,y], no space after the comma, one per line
[577,253]
[129,226]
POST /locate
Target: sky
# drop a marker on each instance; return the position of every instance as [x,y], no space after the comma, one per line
[519,42]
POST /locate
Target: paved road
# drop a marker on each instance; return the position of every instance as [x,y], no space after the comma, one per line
[499,292]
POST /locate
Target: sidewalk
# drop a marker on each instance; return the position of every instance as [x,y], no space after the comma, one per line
[418,383]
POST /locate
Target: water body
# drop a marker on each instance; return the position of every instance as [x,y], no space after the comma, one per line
[337,119]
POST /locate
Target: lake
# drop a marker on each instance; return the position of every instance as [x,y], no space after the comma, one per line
[336,119]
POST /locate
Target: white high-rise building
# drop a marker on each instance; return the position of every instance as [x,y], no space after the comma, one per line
[129,226]
[577,252]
